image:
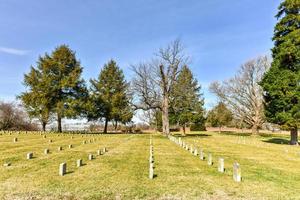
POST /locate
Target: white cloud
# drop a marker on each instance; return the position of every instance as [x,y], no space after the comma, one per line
[18,52]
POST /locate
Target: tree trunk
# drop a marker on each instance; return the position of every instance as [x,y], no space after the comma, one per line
[116,125]
[59,123]
[165,116]
[44,126]
[183,128]
[254,129]
[105,126]
[294,136]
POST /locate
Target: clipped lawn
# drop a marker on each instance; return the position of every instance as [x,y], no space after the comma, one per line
[270,167]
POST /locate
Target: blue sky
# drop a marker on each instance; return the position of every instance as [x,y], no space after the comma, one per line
[219,35]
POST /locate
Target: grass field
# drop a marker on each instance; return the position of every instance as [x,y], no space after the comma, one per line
[270,167]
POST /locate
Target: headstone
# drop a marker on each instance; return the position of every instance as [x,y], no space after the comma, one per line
[98,152]
[221,165]
[91,157]
[195,152]
[29,156]
[70,146]
[7,164]
[59,148]
[201,154]
[62,169]
[50,141]
[209,159]
[79,163]
[15,139]
[191,149]
[151,160]
[84,142]
[104,150]
[44,136]
[46,151]
[237,172]
[151,171]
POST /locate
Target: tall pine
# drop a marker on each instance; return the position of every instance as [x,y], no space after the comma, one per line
[281,83]
[109,96]
[187,101]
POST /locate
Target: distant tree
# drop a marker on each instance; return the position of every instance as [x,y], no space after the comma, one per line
[243,95]
[38,100]
[219,116]
[110,97]
[13,117]
[154,81]
[281,84]
[186,100]
[55,86]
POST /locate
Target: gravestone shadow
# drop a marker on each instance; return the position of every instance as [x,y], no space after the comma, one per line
[277,141]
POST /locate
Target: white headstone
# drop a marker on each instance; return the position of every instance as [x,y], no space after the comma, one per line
[237,172]
[221,165]
[29,156]
[62,169]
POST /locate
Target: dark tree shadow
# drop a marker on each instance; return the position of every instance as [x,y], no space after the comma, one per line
[277,141]
[234,133]
[191,135]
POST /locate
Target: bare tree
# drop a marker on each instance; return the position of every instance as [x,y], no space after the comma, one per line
[243,94]
[154,81]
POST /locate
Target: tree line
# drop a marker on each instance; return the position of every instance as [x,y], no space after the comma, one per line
[263,90]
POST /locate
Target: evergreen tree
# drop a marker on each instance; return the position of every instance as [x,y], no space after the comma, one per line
[109,96]
[55,86]
[219,116]
[281,83]
[37,100]
[187,101]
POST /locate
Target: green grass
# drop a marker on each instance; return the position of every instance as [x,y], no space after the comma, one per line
[270,170]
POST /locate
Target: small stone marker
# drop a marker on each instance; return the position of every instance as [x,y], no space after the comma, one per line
[62,169]
[44,136]
[151,171]
[70,146]
[98,152]
[91,157]
[151,160]
[15,139]
[79,163]
[50,141]
[237,172]
[104,150]
[192,149]
[221,165]
[59,148]
[84,142]
[29,156]
[209,159]
[46,151]
[201,154]
[195,152]
[6,164]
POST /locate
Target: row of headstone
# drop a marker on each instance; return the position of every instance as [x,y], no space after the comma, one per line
[63,166]
[221,165]
[151,161]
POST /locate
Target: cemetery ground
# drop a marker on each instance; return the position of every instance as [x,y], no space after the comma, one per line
[270,167]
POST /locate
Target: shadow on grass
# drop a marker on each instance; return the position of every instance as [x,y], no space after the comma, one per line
[277,141]
[191,135]
[234,133]
[69,172]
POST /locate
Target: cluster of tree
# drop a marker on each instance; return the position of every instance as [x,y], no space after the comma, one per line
[55,88]
[165,87]
[13,117]
[264,91]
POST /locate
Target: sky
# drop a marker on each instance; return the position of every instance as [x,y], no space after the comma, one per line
[218,35]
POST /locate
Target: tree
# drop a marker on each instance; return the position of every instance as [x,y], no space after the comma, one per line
[37,100]
[281,84]
[13,117]
[55,86]
[243,95]
[219,116]
[110,97]
[154,81]
[186,100]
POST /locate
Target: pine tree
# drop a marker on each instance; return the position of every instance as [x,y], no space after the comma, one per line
[109,96]
[187,101]
[281,83]
[37,100]
[55,86]
[219,116]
